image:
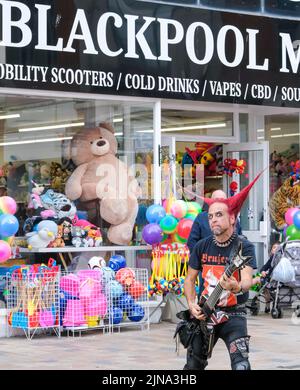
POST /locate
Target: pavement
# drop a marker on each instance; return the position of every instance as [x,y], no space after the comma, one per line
[275,345]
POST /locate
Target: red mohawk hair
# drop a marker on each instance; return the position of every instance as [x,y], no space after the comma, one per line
[235,203]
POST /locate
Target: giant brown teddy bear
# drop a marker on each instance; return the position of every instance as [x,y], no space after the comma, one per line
[100,175]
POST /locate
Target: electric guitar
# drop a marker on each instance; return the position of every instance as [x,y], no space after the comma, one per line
[208,303]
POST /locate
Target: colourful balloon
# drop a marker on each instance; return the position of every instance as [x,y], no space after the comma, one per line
[152,234]
[9,240]
[292,233]
[289,215]
[184,228]
[179,209]
[155,213]
[136,314]
[168,224]
[5,251]
[296,219]
[190,216]
[167,204]
[9,225]
[8,205]
[177,238]
[194,207]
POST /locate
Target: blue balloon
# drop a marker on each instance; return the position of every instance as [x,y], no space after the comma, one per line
[136,314]
[116,315]
[117,262]
[126,302]
[296,219]
[155,213]
[9,225]
[116,289]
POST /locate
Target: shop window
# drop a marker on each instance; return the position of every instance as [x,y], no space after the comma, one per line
[246,5]
[194,164]
[283,7]
[244,127]
[283,134]
[195,123]
[36,146]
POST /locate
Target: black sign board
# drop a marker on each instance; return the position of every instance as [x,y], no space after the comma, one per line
[134,48]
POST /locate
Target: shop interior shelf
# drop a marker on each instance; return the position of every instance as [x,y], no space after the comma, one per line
[69,249]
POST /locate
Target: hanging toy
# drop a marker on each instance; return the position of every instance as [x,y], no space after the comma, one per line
[233,188]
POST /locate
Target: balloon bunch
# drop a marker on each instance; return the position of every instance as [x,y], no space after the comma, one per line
[169,269]
[171,222]
[231,166]
[9,226]
[292,218]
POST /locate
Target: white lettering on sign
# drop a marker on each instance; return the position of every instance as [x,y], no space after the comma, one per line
[146,37]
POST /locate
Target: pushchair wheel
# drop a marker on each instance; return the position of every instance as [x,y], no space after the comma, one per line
[254,308]
[297,312]
[276,313]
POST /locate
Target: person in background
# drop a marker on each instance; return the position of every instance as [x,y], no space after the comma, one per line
[266,270]
[201,229]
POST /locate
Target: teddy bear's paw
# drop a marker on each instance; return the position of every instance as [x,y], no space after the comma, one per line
[121,234]
[114,211]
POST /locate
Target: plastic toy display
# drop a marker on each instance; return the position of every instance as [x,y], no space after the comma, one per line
[169,269]
[33,298]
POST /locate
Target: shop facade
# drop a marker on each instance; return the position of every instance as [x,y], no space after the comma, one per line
[167,77]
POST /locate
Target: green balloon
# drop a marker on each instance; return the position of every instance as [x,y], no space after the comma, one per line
[179,239]
[168,224]
[194,207]
[191,216]
[292,233]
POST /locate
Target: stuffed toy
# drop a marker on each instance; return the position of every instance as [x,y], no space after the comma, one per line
[287,196]
[59,204]
[101,176]
[58,242]
[41,238]
[79,237]
[59,176]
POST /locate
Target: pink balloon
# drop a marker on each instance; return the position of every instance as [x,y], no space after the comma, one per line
[289,215]
[5,251]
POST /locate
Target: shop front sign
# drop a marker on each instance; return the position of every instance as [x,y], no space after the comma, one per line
[124,47]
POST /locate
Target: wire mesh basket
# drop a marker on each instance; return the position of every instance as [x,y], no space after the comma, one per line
[84,301]
[129,298]
[33,299]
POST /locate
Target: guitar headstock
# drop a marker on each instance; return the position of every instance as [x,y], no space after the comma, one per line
[239,261]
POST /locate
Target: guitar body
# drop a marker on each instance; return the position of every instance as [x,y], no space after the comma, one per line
[212,317]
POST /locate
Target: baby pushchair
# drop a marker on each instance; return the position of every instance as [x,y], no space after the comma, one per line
[282,292]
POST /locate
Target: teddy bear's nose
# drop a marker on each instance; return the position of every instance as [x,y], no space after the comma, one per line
[101,143]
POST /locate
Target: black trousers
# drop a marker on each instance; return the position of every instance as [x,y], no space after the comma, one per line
[234,333]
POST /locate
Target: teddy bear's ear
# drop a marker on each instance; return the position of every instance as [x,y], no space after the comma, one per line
[107,126]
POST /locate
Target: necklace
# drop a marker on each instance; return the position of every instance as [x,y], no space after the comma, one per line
[225,243]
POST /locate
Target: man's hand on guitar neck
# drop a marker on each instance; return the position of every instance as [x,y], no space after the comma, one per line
[196,311]
[230,284]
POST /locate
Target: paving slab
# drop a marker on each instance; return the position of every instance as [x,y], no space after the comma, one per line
[274,345]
